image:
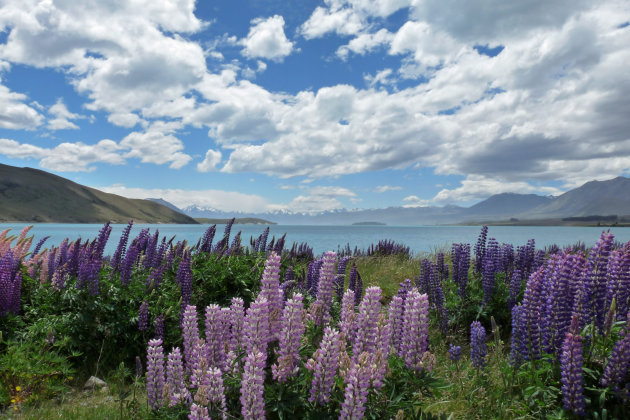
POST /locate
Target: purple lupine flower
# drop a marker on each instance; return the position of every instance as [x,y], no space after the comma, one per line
[478,348]
[367,318]
[442,267]
[291,331]
[341,277]
[618,285]
[128,263]
[515,287]
[155,374]
[323,364]
[325,286]
[460,257]
[256,333]
[618,365]
[185,278]
[357,389]
[222,245]
[480,248]
[571,368]
[159,327]
[208,236]
[592,288]
[518,347]
[198,412]
[151,250]
[380,360]
[559,295]
[216,332]
[38,247]
[252,386]
[270,291]
[211,391]
[415,329]
[438,298]
[156,276]
[352,280]
[454,353]
[143,316]
[175,378]
[348,318]
[237,318]
[488,269]
[396,309]
[531,314]
[262,246]
[190,335]
[199,363]
[358,290]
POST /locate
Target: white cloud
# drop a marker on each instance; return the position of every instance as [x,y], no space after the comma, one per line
[217,199]
[330,191]
[383,77]
[65,157]
[323,21]
[61,117]
[156,145]
[14,113]
[385,188]
[415,201]
[266,39]
[365,43]
[210,162]
[476,187]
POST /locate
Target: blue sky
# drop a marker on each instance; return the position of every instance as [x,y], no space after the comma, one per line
[317,105]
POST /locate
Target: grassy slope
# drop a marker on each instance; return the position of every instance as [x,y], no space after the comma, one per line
[31,195]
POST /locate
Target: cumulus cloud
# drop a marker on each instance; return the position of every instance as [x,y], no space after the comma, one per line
[266,39]
[216,199]
[65,157]
[210,162]
[476,187]
[62,117]
[14,113]
[385,188]
[156,145]
[365,43]
[415,201]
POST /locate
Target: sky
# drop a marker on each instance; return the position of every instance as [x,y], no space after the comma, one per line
[309,106]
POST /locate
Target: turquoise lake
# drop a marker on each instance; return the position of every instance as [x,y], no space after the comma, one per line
[421,239]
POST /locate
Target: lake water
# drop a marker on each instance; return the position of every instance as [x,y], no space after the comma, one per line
[421,239]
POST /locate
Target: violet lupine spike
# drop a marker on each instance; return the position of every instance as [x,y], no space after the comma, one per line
[454,353]
[618,364]
[358,290]
[185,278]
[262,245]
[571,371]
[531,313]
[208,236]
[198,412]
[158,330]
[155,374]
[396,309]
[38,247]
[488,270]
[151,250]
[128,264]
[190,335]
[415,329]
[348,318]
[357,389]
[101,240]
[559,297]
[252,386]
[367,318]
[480,248]
[438,298]
[213,391]
[199,363]
[256,332]
[618,286]
[515,287]
[352,282]
[325,288]
[518,345]
[271,292]
[593,286]
[237,318]
[291,331]
[143,316]
[121,248]
[175,378]
[215,336]
[380,358]
[478,348]
[324,364]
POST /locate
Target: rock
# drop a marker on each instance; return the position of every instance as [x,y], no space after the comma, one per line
[94,383]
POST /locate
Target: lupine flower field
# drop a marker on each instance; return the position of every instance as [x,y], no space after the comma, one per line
[220,329]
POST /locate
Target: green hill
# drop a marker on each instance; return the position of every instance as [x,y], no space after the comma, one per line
[31,195]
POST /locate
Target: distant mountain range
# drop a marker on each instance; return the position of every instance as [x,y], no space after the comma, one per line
[595,198]
[31,195]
